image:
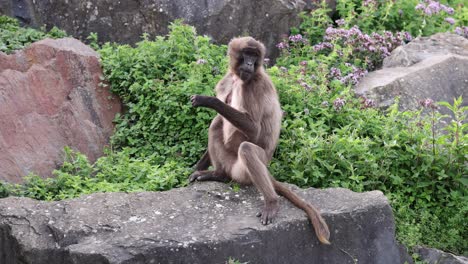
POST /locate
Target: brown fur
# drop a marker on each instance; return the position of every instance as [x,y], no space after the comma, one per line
[244,134]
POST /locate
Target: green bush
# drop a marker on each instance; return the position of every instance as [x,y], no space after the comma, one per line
[14,37]
[332,138]
[114,172]
[155,80]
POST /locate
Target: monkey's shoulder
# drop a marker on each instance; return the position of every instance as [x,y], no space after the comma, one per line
[225,86]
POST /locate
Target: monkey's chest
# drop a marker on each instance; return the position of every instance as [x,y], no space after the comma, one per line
[232,137]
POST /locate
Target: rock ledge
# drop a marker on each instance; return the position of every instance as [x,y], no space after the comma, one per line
[203,223]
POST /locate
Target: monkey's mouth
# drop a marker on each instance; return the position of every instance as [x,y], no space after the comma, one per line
[245,75]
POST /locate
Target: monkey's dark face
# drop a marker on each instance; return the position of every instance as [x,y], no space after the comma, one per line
[248,63]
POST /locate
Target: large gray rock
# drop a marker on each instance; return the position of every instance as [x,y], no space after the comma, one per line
[425,48]
[50,97]
[435,256]
[203,223]
[433,67]
[126,21]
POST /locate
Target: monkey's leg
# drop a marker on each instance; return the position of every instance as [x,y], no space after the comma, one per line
[204,162]
[251,167]
[207,175]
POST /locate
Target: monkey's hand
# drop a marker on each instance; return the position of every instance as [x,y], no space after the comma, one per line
[201,100]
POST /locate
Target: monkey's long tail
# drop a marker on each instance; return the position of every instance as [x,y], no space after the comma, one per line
[321,228]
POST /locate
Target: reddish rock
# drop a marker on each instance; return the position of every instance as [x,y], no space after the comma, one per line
[50,98]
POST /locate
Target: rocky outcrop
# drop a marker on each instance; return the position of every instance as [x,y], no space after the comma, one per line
[50,97]
[126,21]
[433,67]
[435,256]
[203,223]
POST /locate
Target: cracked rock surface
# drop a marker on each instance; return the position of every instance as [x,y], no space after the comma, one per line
[203,223]
[126,21]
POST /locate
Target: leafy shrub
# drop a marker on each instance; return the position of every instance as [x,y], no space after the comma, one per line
[114,172]
[332,138]
[14,37]
[155,80]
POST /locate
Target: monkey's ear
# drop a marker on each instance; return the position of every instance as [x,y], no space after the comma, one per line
[262,49]
[234,48]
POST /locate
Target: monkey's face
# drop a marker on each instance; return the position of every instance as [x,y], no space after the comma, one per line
[248,63]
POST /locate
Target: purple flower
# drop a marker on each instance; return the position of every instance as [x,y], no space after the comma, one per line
[434,7]
[303,63]
[427,103]
[407,36]
[306,86]
[328,45]
[447,9]
[322,46]
[354,77]
[367,103]
[462,31]
[283,69]
[428,11]
[450,20]
[324,104]
[266,61]
[340,22]
[330,31]
[355,30]
[339,103]
[369,2]
[296,38]
[431,7]
[384,51]
[282,45]
[319,47]
[201,61]
[420,6]
[335,72]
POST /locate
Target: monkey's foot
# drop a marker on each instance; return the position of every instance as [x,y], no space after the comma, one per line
[207,176]
[194,176]
[269,212]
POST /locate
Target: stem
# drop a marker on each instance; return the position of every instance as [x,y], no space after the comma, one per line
[433,133]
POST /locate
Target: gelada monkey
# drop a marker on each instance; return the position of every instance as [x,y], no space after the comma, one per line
[243,136]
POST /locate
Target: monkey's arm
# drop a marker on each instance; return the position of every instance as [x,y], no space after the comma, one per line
[204,162]
[242,121]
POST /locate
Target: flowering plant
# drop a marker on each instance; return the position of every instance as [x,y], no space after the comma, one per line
[330,137]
